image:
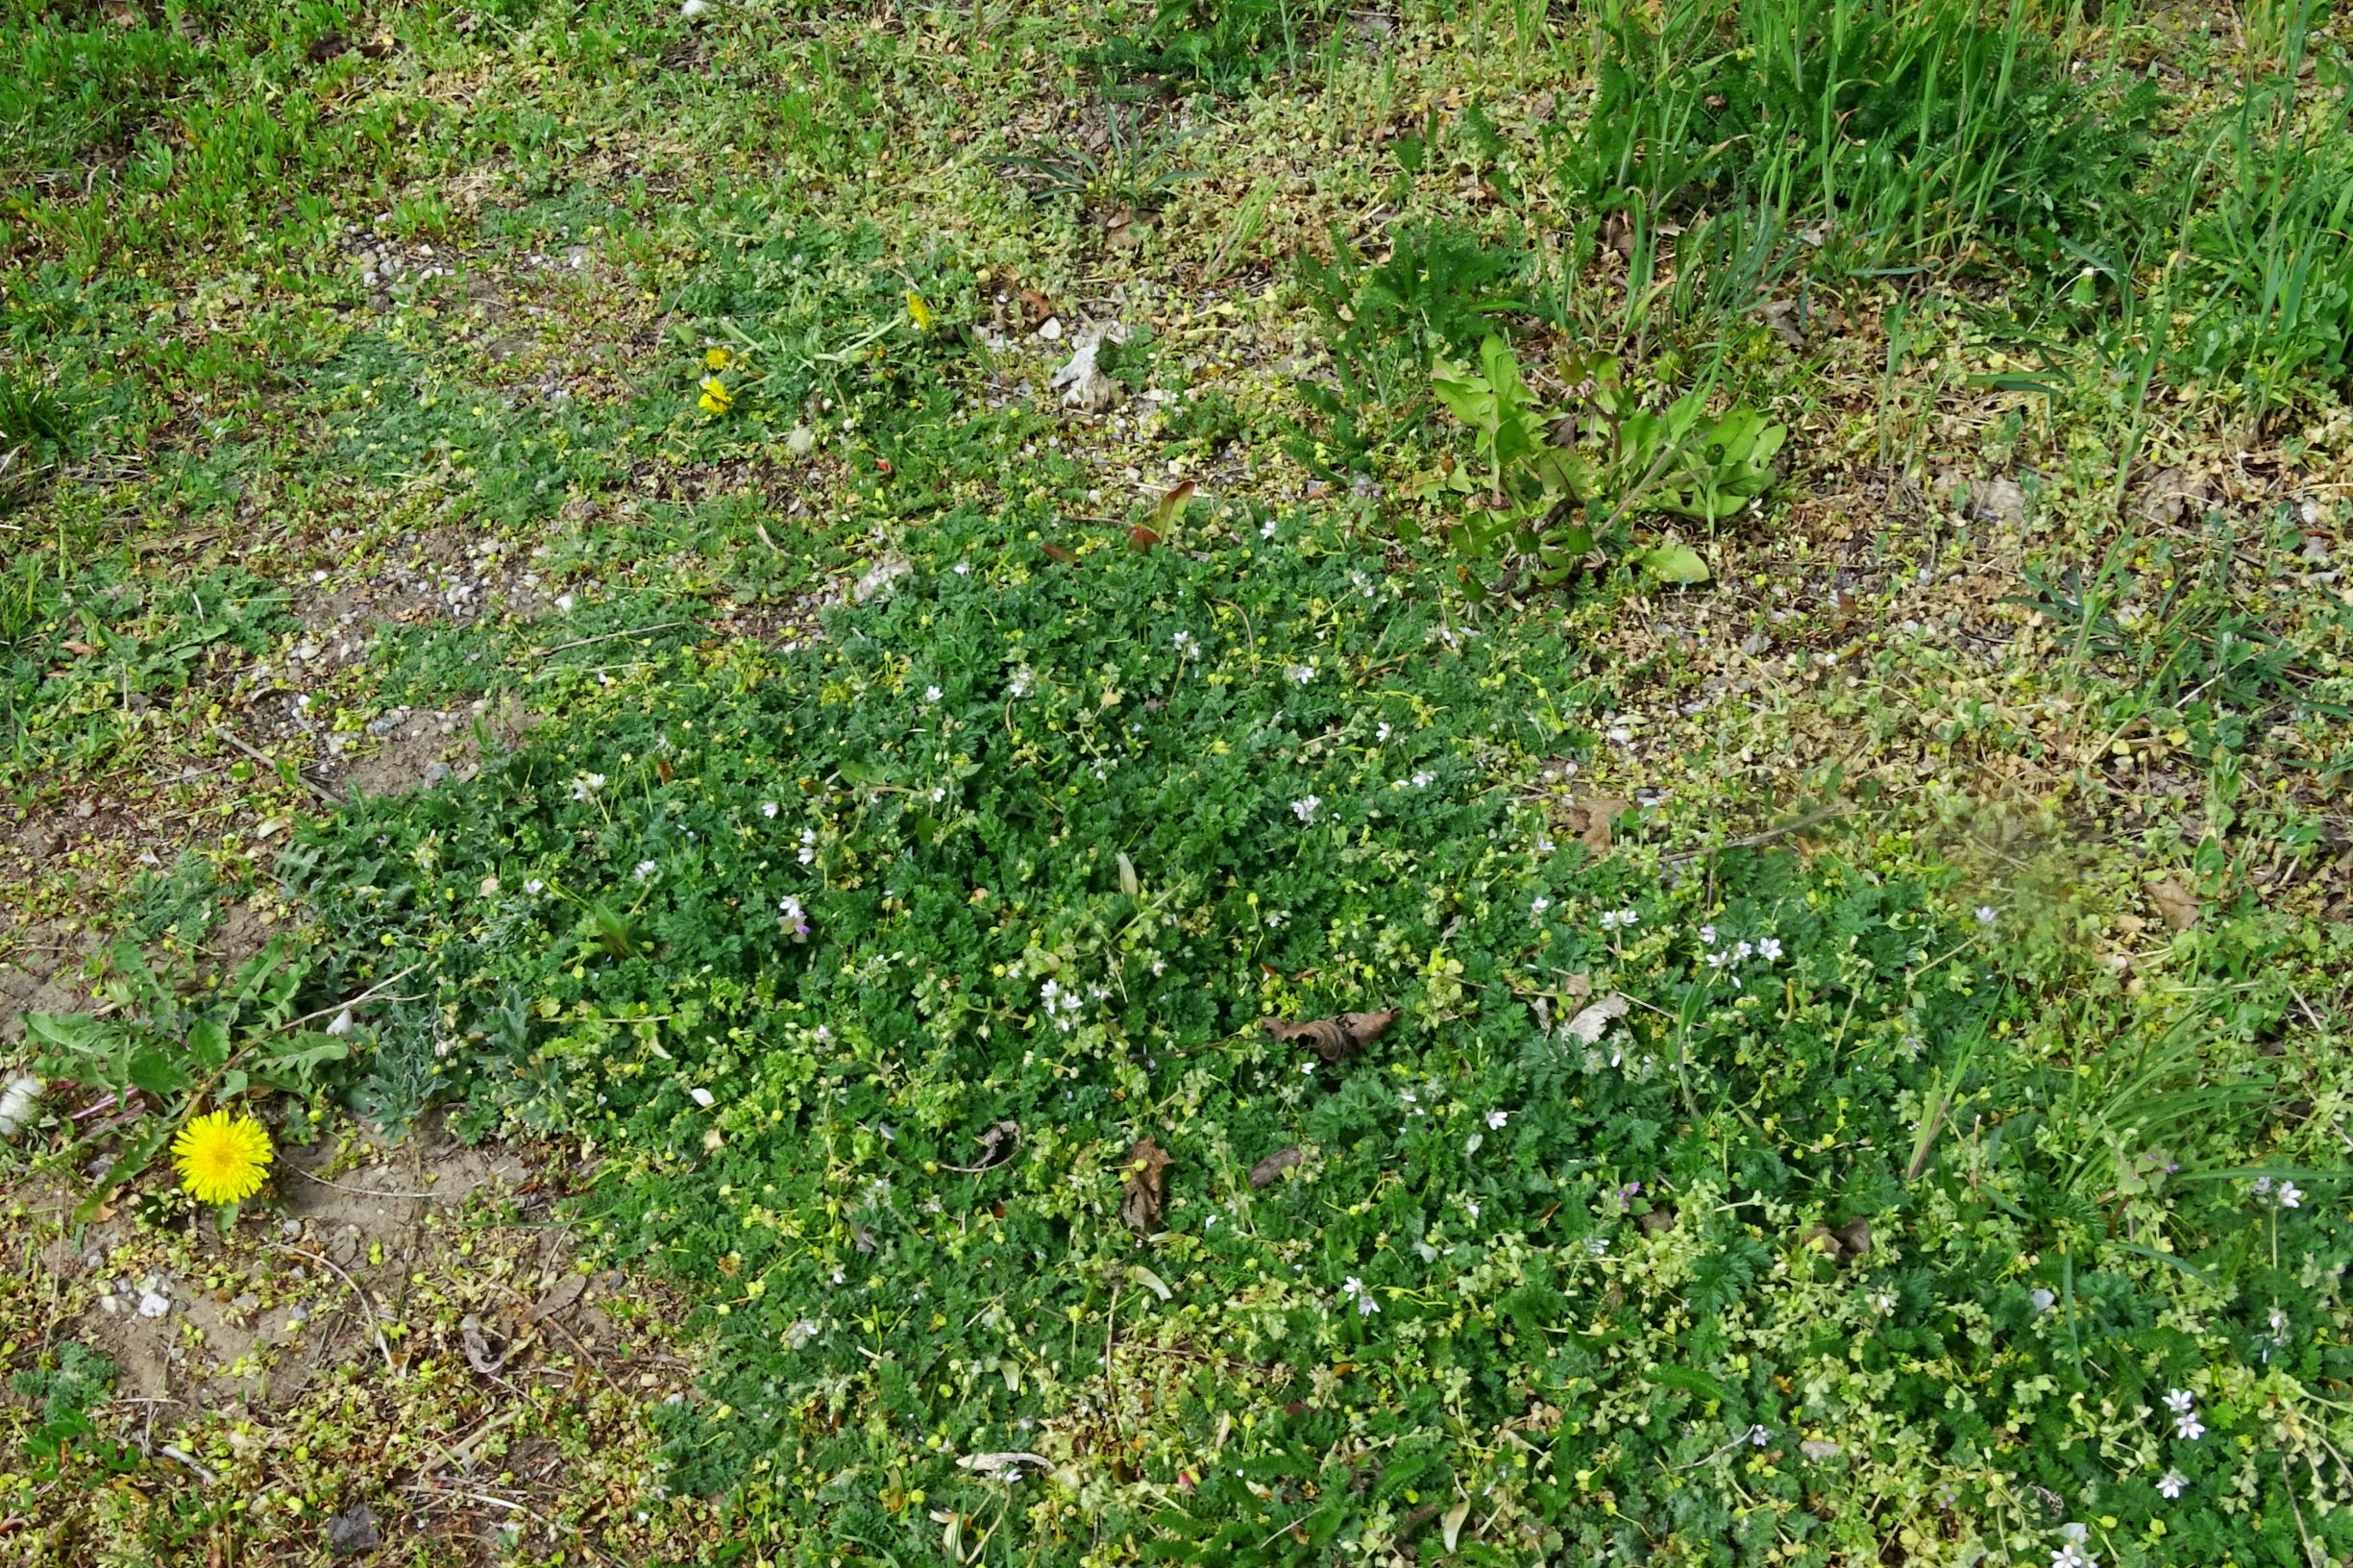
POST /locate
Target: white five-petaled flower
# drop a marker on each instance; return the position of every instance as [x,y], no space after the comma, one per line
[2188,1428]
[534,886]
[2179,1400]
[1354,1289]
[1382,733]
[1305,810]
[646,869]
[586,785]
[1422,779]
[1768,948]
[1302,672]
[1618,919]
[767,808]
[808,846]
[1184,643]
[1267,531]
[1020,686]
[2071,1555]
[1539,906]
[1496,1118]
[1708,935]
[2170,1484]
[1985,914]
[931,694]
[2290,1195]
[964,569]
[794,915]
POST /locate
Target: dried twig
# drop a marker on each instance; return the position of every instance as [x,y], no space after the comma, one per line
[326,796]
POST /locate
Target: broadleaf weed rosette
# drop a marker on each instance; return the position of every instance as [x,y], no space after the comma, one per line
[223,1157]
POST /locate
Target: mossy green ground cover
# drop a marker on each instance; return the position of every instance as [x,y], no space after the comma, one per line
[571,585]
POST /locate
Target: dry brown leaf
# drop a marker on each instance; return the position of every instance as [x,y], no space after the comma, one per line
[2176,905]
[1334,1039]
[1143,1197]
[76,645]
[1274,1165]
[1588,819]
[559,1296]
[1843,1246]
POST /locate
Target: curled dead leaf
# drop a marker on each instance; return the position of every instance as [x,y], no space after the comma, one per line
[478,1347]
[1591,1022]
[1274,1165]
[1334,1039]
[1143,1197]
[1588,819]
[994,1150]
[2176,905]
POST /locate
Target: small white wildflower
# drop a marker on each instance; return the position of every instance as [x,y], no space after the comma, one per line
[931,694]
[2290,1195]
[2072,1531]
[964,569]
[701,1096]
[1302,672]
[2262,1186]
[1708,935]
[1268,532]
[2042,1299]
[1423,780]
[2170,1484]
[1305,810]
[1769,949]
[767,808]
[1497,1119]
[2188,1428]
[1382,733]
[646,869]
[586,784]
[808,846]
[1354,1289]
[2071,1555]
[535,887]
[1471,1206]
[1539,906]
[1985,914]
[2179,1400]
[939,793]
[1020,686]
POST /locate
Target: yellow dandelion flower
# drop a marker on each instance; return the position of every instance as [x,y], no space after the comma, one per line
[716,399]
[222,1157]
[922,312]
[717,359]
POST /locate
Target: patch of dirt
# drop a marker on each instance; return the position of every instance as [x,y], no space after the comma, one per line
[421,748]
[376,1293]
[40,972]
